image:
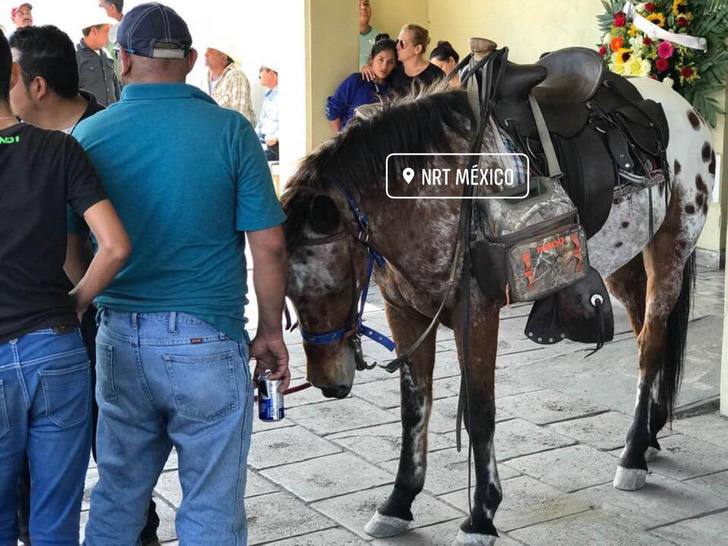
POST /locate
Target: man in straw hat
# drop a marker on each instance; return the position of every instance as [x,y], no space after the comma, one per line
[226,83]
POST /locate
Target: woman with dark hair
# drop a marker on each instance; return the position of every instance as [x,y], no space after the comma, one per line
[356,91]
[444,57]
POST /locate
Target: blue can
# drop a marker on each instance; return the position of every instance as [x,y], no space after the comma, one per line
[270,399]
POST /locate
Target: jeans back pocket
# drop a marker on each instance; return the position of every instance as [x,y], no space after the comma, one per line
[205,386]
[67,394]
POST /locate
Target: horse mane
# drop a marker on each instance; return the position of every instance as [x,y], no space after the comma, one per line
[429,119]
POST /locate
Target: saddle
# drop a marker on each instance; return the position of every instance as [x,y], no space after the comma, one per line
[601,127]
[567,110]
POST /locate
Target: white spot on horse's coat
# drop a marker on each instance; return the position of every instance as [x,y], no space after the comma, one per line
[686,146]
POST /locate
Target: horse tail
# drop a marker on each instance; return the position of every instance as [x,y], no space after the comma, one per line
[676,334]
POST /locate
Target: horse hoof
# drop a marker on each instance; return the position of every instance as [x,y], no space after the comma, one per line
[386,526]
[473,539]
[651,454]
[630,479]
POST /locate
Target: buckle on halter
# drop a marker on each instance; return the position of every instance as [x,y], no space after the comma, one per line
[363,236]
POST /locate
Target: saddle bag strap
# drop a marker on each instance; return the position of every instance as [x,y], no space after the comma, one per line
[545,137]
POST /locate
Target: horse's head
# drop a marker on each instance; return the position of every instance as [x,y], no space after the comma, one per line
[327,268]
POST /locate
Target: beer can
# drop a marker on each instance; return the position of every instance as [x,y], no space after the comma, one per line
[270,399]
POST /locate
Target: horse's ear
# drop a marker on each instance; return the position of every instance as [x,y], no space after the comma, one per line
[324,216]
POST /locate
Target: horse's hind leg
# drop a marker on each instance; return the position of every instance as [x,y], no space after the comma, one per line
[394,515]
[661,339]
[478,529]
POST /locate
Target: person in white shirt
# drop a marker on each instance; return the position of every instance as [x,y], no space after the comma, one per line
[267,126]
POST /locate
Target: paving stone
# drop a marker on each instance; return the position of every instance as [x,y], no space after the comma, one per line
[505,387]
[569,468]
[595,528]
[441,534]
[347,414]
[92,476]
[257,485]
[715,484]
[166,530]
[328,476]
[332,537]
[287,445]
[260,426]
[384,442]
[517,437]
[662,500]
[447,470]
[525,502]
[446,362]
[684,458]
[705,530]
[311,395]
[712,428]
[169,488]
[546,406]
[604,431]
[275,516]
[353,511]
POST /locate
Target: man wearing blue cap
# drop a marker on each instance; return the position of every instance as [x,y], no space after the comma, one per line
[188,179]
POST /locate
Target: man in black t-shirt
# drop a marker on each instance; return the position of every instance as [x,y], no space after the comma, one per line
[44,370]
[48,97]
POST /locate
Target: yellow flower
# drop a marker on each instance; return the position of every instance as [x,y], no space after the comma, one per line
[633,30]
[679,6]
[622,56]
[657,18]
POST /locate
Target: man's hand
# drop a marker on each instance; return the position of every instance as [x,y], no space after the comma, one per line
[367,74]
[270,353]
[271,142]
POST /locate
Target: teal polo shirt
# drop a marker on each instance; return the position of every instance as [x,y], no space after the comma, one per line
[187,177]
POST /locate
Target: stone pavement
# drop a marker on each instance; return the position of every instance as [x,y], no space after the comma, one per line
[316,477]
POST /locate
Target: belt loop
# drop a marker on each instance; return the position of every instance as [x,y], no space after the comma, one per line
[134,321]
[173,322]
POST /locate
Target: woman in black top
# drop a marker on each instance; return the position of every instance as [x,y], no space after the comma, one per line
[412,66]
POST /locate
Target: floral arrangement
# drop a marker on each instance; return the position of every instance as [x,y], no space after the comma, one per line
[694,73]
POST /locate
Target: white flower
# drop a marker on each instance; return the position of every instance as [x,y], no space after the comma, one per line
[645,68]
[669,81]
[640,7]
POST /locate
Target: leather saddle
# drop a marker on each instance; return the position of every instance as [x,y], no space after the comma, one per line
[598,121]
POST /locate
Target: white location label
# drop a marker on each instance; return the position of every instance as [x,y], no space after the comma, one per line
[408,174]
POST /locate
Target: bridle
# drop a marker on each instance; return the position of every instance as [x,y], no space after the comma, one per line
[354,328]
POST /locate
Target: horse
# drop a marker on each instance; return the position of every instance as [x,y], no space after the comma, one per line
[330,255]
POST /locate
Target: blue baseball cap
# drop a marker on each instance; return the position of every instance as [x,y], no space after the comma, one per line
[154,30]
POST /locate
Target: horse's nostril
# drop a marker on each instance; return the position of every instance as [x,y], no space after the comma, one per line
[342,391]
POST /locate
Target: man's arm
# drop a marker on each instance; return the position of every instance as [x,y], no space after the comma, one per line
[113,250]
[270,269]
[78,256]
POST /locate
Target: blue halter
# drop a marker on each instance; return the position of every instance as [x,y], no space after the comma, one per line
[358,328]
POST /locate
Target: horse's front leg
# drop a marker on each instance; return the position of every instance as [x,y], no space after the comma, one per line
[394,515]
[479,416]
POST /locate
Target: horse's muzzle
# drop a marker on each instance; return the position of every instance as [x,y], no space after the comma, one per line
[342,391]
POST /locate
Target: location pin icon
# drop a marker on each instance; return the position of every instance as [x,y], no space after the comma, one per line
[408,174]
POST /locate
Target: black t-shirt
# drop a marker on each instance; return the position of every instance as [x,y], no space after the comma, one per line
[401,82]
[40,173]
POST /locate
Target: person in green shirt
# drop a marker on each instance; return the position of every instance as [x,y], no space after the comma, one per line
[367,33]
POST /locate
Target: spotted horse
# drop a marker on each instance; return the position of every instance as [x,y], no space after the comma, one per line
[342,228]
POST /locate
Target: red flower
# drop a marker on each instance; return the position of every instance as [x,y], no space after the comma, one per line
[646,41]
[620,19]
[602,51]
[682,22]
[649,7]
[686,72]
[662,65]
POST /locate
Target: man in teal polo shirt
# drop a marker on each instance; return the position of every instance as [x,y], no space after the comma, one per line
[188,178]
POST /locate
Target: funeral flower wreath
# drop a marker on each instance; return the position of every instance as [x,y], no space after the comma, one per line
[683,45]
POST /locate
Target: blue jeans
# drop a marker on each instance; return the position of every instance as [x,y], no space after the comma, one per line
[163,380]
[45,401]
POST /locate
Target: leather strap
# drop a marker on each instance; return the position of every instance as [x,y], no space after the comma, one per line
[545,137]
